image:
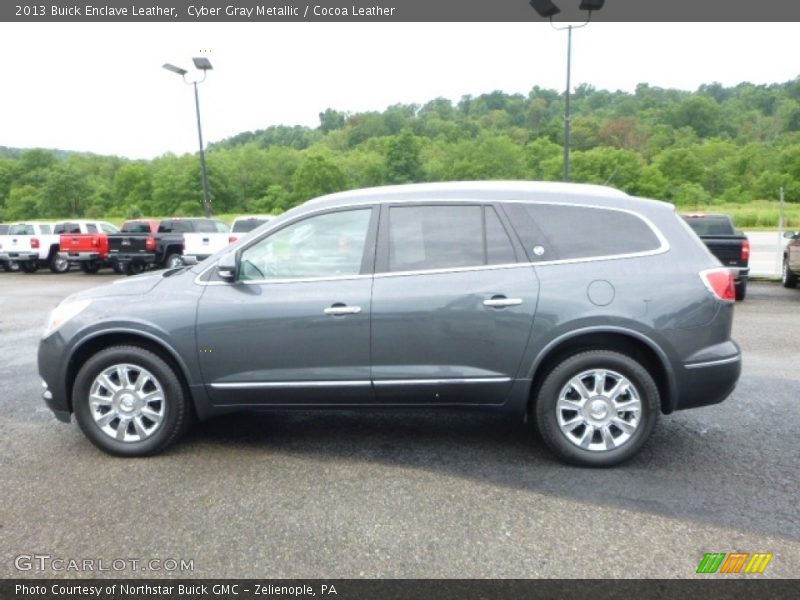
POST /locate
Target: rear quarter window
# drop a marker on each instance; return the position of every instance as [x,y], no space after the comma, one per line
[569,232]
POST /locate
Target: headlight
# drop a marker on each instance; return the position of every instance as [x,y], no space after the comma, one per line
[62,313]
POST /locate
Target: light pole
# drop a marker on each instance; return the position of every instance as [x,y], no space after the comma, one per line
[204,65]
[548,10]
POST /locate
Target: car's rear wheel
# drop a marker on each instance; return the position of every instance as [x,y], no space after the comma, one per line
[58,264]
[173,261]
[29,266]
[133,268]
[11,266]
[90,266]
[788,278]
[597,408]
[118,268]
[741,290]
[129,402]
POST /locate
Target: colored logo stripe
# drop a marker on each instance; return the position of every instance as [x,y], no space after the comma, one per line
[736,562]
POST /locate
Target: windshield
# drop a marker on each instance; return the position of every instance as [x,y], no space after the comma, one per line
[710,225]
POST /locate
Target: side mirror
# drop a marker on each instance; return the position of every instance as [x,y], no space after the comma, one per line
[227,267]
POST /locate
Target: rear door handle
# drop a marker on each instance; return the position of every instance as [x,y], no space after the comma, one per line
[342,309]
[502,302]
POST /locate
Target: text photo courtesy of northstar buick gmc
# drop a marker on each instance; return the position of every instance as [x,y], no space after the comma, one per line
[545,300]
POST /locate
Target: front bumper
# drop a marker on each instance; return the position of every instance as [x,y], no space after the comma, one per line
[53,371]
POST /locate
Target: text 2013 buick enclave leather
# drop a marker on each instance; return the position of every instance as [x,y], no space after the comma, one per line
[590,310]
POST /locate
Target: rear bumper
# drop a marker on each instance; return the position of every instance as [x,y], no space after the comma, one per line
[710,381]
[81,256]
[18,256]
[122,258]
[740,273]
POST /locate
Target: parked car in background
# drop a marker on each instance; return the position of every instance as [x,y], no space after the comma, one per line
[728,244]
[588,310]
[246,224]
[207,239]
[85,243]
[163,248]
[790,273]
[132,250]
[30,245]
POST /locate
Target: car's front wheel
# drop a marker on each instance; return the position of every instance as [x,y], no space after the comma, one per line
[788,278]
[597,408]
[129,402]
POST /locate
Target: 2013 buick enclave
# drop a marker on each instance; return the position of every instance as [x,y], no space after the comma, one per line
[589,310]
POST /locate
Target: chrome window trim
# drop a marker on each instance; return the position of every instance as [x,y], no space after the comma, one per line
[663,247]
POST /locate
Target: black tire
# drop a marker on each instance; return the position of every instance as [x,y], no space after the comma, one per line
[29,266]
[58,264]
[173,261]
[177,411]
[118,268]
[134,268]
[90,266]
[741,290]
[11,266]
[788,278]
[556,382]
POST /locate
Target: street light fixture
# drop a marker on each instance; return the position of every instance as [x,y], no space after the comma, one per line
[202,64]
[547,9]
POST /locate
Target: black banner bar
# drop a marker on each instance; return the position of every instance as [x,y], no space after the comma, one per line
[391,10]
[395,589]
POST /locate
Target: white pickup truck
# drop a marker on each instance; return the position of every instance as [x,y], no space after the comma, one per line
[30,245]
[202,244]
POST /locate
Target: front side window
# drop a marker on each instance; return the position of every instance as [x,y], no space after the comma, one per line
[45,229]
[91,228]
[327,245]
[108,228]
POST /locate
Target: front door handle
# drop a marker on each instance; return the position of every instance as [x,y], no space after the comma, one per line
[342,309]
[502,302]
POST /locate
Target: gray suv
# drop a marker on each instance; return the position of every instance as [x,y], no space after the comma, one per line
[578,306]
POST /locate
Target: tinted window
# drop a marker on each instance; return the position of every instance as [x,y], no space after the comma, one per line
[499,249]
[245,225]
[136,227]
[70,228]
[435,237]
[711,225]
[20,229]
[91,228]
[328,245]
[558,232]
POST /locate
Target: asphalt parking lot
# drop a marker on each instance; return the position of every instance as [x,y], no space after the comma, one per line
[404,494]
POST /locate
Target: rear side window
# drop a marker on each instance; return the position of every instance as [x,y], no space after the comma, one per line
[564,232]
[91,228]
[446,237]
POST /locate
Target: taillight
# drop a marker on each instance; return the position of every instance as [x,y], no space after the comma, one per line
[232,238]
[746,250]
[34,243]
[150,244]
[720,282]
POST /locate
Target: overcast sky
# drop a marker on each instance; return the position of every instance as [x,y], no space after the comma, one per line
[100,87]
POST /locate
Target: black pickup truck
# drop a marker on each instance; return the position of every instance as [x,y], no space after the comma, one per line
[727,243]
[143,243]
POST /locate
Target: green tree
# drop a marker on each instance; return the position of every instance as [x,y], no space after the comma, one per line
[318,175]
[403,161]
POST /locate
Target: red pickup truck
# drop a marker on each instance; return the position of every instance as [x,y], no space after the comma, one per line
[85,243]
